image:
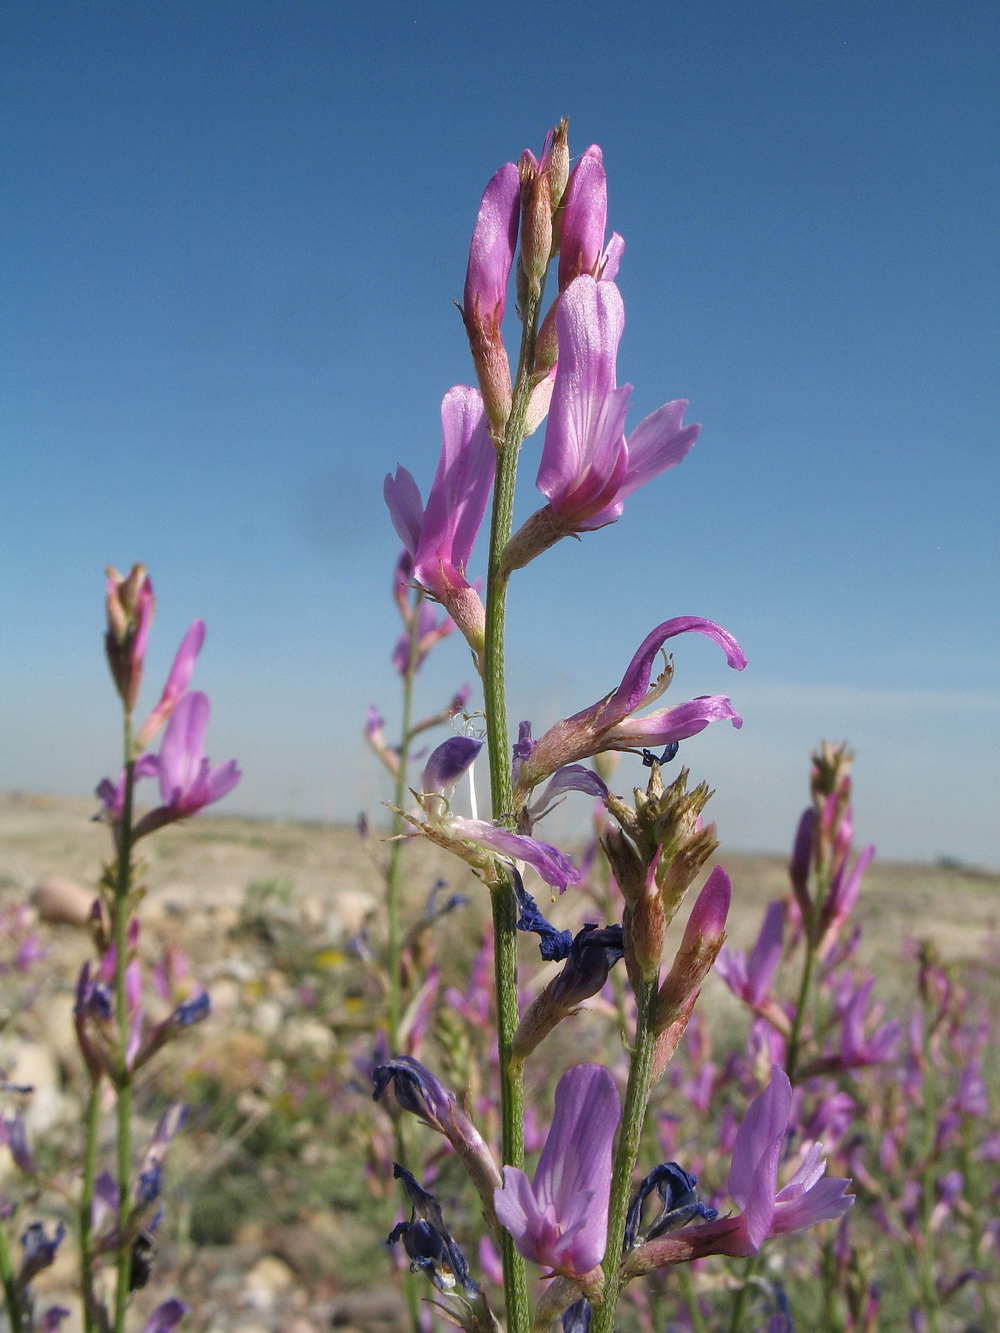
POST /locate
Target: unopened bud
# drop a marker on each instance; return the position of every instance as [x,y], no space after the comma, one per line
[704,936]
[130,604]
[536,225]
[645,928]
[557,162]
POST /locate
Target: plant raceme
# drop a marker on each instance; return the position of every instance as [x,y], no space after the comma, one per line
[572,1218]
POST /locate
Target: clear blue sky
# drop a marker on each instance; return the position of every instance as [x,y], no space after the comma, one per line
[231,236]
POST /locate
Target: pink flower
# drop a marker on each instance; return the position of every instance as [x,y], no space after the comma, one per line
[177,682]
[187,781]
[749,975]
[610,723]
[585,217]
[440,537]
[807,1199]
[559,1219]
[588,467]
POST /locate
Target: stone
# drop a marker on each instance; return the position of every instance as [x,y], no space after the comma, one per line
[34,1066]
[63,902]
[353,907]
[265,1282]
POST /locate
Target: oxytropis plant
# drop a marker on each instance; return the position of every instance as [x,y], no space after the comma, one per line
[120,1023]
[582,1222]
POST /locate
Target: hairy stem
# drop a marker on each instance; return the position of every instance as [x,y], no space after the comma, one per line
[91,1121]
[629,1136]
[392,873]
[498,742]
[12,1297]
[123,1075]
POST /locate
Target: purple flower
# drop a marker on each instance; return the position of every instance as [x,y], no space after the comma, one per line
[843,894]
[588,468]
[753,1176]
[428,1242]
[857,1050]
[430,630]
[553,865]
[165,1317]
[440,537]
[589,956]
[491,253]
[609,724]
[442,771]
[560,1218]
[804,1201]
[490,257]
[177,682]
[187,781]
[749,975]
[38,1250]
[584,219]
[447,763]
[112,795]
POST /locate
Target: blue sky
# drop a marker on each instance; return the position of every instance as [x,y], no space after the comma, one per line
[231,236]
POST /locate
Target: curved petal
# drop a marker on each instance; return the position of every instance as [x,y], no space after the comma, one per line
[577,1152]
[448,762]
[672,724]
[585,217]
[458,494]
[222,779]
[586,408]
[632,690]
[402,498]
[183,745]
[759,1140]
[492,250]
[555,868]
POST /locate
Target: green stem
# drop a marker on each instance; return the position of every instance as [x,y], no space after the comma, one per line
[742,1293]
[926,1253]
[123,1078]
[12,1297]
[498,746]
[392,873]
[91,1120]
[698,1324]
[629,1136]
[795,1040]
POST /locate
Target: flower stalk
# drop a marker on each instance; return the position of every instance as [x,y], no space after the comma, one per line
[627,1151]
[504,902]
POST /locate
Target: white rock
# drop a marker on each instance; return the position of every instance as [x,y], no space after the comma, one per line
[35,1066]
[353,907]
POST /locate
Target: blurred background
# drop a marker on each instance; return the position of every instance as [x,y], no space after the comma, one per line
[231,238]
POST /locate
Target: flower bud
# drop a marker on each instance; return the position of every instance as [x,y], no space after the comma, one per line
[536,223]
[490,257]
[556,162]
[130,604]
[704,936]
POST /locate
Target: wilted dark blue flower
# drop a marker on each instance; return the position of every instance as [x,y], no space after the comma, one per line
[576,1317]
[428,1242]
[38,1250]
[554,945]
[679,1204]
[192,1011]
